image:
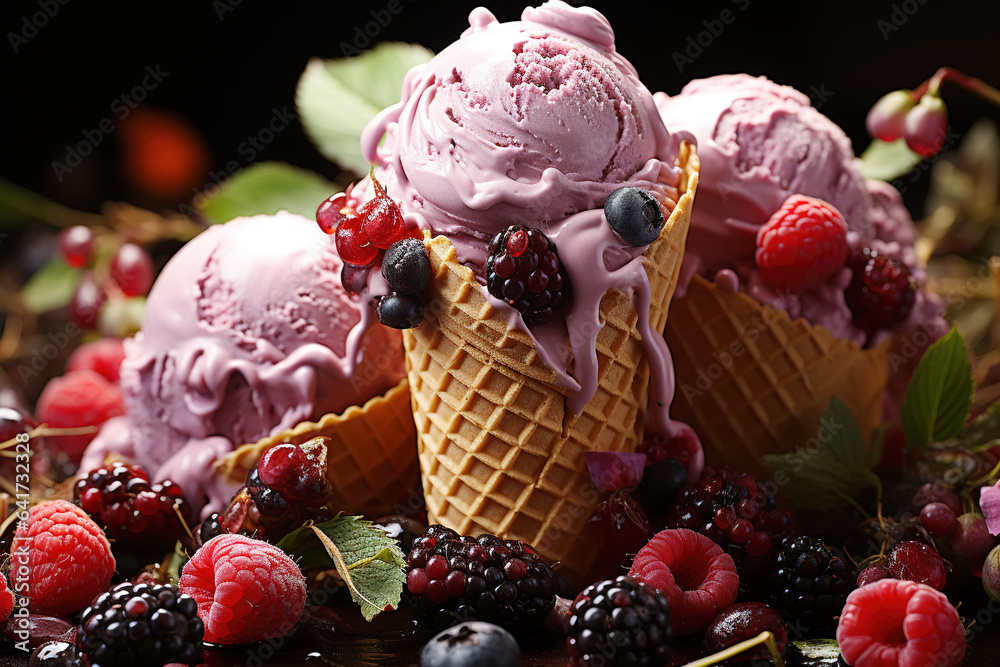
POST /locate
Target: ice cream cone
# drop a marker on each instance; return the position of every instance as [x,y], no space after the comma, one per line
[752,381]
[371,462]
[499,450]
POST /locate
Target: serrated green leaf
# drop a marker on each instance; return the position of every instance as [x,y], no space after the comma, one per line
[335,99]
[829,470]
[269,187]
[939,396]
[888,160]
[50,287]
[369,561]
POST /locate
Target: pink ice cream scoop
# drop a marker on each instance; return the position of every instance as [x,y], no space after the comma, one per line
[535,122]
[246,333]
[760,142]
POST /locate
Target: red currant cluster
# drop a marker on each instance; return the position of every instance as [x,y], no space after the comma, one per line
[375,234]
[129,274]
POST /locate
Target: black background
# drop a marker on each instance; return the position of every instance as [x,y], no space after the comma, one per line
[230,65]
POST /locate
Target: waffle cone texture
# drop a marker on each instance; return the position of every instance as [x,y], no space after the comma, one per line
[371,462]
[499,451]
[751,381]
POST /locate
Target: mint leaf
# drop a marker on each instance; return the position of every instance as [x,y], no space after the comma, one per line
[269,187]
[939,396]
[887,161]
[50,287]
[369,561]
[336,98]
[830,470]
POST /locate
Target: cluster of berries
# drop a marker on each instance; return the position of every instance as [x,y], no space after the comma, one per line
[921,121]
[375,233]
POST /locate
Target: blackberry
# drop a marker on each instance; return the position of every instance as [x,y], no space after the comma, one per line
[451,579]
[141,625]
[736,512]
[137,513]
[619,622]
[810,581]
[523,269]
[882,290]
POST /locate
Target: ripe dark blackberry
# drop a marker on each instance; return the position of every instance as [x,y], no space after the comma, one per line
[523,269]
[141,625]
[137,514]
[736,512]
[882,290]
[810,581]
[619,622]
[451,579]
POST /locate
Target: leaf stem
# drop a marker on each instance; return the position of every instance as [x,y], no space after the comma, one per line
[766,638]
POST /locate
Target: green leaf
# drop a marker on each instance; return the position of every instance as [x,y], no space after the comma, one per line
[888,160]
[269,187]
[818,652]
[939,396]
[50,287]
[369,561]
[178,560]
[829,470]
[336,98]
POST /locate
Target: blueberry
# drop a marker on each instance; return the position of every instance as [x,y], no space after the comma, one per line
[400,311]
[635,215]
[661,482]
[406,267]
[473,643]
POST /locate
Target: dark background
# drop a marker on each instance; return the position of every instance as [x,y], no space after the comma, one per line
[230,65]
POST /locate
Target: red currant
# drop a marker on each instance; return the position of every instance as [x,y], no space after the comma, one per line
[926,126]
[85,305]
[938,519]
[332,211]
[76,244]
[381,219]
[352,243]
[132,270]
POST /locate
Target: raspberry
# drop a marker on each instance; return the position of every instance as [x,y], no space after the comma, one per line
[136,513]
[141,624]
[452,579]
[915,561]
[103,356]
[810,581]
[523,269]
[893,622]
[619,622]
[246,590]
[743,621]
[736,512]
[698,577]
[6,599]
[68,556]
[882,290]
[78,398]
[802,244]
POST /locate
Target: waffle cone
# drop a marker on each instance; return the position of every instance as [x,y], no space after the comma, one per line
[371,463]
[752,381]
[499,451]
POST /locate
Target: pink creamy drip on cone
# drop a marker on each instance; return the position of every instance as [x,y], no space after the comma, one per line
[535,122]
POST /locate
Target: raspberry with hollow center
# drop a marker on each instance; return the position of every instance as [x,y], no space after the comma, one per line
[68,557]
[802,244]
[892,622]
[699,579]
[246,590]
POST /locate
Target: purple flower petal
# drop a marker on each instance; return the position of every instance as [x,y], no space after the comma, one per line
[989,501]
[612,471]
